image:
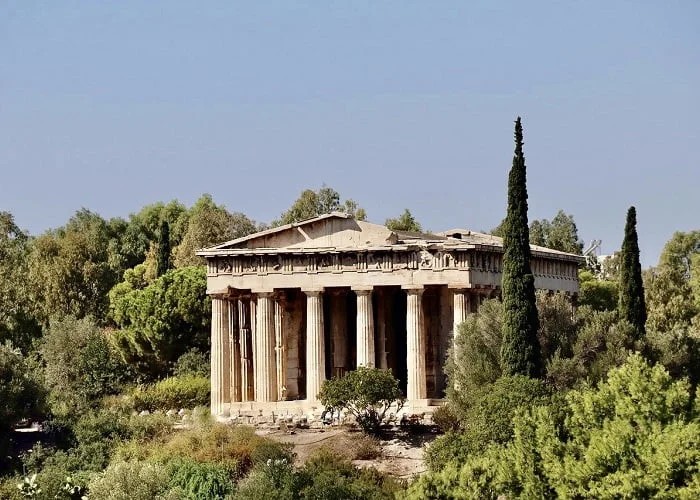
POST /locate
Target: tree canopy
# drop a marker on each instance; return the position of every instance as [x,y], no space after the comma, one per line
[210,224]
[404,222]
[558,234]
[163,320]
[314,203]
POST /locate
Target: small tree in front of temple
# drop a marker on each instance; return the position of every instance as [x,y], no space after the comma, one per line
[367,393]
[520,350]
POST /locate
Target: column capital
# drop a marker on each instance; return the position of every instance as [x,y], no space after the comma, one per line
[459,288]
[413,289]
[264,293]
[313,292]
[362,290]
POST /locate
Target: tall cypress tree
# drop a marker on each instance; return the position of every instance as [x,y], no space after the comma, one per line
[163,262]
[520,350]
[632,306]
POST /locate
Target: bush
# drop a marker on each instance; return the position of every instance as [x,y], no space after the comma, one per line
[367,393]
[488,420]
[236,448]
[475,359]
[130,481]
[173,393]
[325,476]
[193,362]
[446,418]
[200,480]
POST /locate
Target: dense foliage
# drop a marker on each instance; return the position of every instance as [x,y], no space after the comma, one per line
[161,321]
[637,435]
[520,351]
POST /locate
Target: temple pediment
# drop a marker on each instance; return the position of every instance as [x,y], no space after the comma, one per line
[329,231]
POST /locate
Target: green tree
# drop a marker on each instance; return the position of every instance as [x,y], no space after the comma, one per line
[366,393]
[632,305]
[210,224]
[475,360]
[558,234]
[314,203]
[143,229]
[405,222]
[163,258]
[672,295]
[71,268]
[520,350]
[17,322]
[160,322]
[80,366]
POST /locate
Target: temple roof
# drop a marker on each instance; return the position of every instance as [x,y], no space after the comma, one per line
[337,231]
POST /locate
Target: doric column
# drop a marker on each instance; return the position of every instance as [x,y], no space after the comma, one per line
[219,355]
[265,369]
[365,327]
[338,328]
[315,349]
[280,348]
[415,345]
[244,322]
[234,351]
[382,328]
[460,299]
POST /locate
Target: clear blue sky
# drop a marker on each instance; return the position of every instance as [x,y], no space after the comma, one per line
[114,105]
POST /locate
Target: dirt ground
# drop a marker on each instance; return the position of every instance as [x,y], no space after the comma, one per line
[397,453]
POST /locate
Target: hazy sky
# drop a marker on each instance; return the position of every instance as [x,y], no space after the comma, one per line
[114,105]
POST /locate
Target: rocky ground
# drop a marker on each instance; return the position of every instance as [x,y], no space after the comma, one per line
[398,452]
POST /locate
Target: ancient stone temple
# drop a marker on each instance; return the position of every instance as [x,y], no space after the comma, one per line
[297,304]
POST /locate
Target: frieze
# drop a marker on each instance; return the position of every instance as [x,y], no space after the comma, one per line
[383,261]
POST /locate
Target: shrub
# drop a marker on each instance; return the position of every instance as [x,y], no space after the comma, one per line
[366,448]
[193,362]
[367,393]
[175,392]
[474,361]
[446,418]
[488,420]
[200,480]
[236,448]
[325,476]
[130,481]
[273,480]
